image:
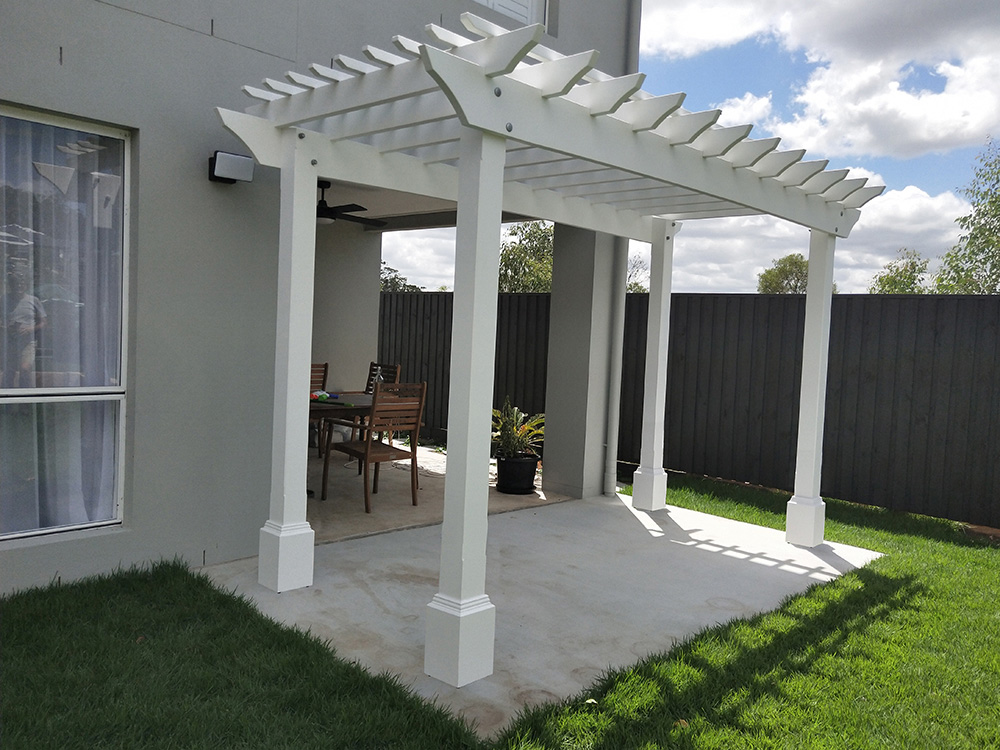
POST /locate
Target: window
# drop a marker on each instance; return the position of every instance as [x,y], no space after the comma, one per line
[525,11]
[62,396]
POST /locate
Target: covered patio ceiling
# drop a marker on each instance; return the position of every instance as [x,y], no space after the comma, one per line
[582,147]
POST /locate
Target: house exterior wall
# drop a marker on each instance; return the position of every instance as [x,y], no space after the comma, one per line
[345,304]
[202,267]
[576,396]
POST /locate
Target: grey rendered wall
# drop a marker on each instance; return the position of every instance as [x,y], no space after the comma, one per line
[202,265]
[576,396]
[346,302]
[202,255]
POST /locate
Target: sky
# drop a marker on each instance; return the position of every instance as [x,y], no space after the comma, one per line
[904,92]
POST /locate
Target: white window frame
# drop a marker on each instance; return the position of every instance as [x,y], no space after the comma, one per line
[115,394]
[535,11]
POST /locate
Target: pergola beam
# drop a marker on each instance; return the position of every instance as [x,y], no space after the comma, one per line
[606,140]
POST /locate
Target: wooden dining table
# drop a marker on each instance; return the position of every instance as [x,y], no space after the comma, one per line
[345,405]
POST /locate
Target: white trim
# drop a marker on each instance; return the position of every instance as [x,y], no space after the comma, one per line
[525,11]
[53,530]
[60,397]
[66,121]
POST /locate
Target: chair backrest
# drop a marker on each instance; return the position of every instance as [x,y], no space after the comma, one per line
[378,371]
[317,377]
[397,407]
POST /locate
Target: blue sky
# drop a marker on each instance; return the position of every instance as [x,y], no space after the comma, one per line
[905,92]
[762,67]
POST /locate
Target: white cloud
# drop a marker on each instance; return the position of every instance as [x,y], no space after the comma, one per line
[425,257]
[853,109]
[901,218]
[859,100]
[747,108]
[686,28]
[726,255]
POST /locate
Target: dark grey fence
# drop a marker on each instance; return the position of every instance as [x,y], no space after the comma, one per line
[913,397]
[415,330]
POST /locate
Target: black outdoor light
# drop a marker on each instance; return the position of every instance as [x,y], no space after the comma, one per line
[230,168]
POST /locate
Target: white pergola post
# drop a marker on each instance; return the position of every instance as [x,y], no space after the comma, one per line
[806,512]
[286,539]
[461,620]
[649,485]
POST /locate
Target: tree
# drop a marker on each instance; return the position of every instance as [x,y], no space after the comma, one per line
[787,275]
[391,280]
[526,258]
[973,265]
[636,273]
[906,274]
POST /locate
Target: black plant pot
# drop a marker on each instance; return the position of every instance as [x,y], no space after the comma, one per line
[516,474]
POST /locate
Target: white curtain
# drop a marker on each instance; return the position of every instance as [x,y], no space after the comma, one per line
[61,243]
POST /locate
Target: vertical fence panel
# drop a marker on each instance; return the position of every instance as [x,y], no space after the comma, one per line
[982,464]
[633,369]
[901,480]
[913,402]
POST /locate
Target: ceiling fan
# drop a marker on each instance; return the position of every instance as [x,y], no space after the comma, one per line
[327,214]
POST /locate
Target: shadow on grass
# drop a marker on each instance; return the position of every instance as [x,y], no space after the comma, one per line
[715,680]
[771,503]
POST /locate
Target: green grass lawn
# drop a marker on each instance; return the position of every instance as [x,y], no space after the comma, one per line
[161,659]
[904,653]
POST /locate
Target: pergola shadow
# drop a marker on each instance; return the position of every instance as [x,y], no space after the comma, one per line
[579,587]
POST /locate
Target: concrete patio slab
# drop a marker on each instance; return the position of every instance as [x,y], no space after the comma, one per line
[341,515]
[579,587]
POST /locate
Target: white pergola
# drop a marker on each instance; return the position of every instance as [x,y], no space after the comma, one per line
[495,122]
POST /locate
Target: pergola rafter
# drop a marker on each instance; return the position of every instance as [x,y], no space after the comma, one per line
[561,117]
[497,124]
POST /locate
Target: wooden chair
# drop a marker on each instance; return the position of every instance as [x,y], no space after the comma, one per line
[396,407]
[378,372]
[389,374]
[317,376]
[317,382]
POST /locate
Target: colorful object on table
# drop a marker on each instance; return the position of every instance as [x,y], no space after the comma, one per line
[321,396]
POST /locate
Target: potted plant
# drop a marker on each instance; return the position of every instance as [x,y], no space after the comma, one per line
[516,436]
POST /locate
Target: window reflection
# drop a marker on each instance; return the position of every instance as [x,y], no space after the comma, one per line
[61,243]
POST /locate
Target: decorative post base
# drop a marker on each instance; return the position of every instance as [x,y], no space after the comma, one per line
[649,489]
[460,636]
[804,521]
[286,556]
